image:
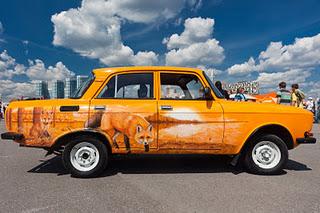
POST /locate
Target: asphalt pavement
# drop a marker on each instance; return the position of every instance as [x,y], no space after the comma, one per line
[31,182]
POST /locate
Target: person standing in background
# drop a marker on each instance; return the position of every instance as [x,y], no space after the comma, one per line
[310,105]
[224,92]
[297,96]
[240,96]
[283,95]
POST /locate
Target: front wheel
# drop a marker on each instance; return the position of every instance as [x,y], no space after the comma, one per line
[266,155]
[85,157]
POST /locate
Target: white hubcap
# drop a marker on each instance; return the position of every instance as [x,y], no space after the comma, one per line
[84,156]
[266,154]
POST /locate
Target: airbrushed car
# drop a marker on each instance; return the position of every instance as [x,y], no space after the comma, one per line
[156,110]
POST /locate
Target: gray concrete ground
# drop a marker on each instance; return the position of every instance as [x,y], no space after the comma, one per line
[30,182]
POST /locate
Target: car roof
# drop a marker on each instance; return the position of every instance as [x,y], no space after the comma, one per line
[110,70]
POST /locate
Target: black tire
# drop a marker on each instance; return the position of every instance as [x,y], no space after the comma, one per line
[84,143]
[275,168]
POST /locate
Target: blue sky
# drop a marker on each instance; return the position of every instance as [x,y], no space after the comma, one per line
[41,40]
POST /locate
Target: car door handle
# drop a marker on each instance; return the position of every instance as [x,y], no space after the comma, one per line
[69,108]
[100,107]
[166,107]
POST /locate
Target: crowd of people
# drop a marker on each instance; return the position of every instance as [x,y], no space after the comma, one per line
[294,97]
[297,98]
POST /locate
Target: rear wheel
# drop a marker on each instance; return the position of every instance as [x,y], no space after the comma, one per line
[266,155]
[85,157]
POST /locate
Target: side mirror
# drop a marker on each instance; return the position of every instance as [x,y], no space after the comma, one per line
[207,93]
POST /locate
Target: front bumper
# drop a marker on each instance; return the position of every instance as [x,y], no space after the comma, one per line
[12,136]
[306,140]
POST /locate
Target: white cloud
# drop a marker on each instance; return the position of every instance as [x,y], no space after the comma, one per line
[271,80]
[195,46]
[142,58]
[93,30]
[36,70]
[196,30]
[293,63]
[13,90]
[8,66]
[245,68]
[314,89]
[146,11]
[304,53]
[197,54]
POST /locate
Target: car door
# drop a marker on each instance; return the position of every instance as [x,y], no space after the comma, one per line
[126,110]
[186,120]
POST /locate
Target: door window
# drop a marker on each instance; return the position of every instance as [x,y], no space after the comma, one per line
[181,87]
[129,86]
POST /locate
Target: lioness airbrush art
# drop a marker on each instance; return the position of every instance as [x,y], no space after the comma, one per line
[156,110]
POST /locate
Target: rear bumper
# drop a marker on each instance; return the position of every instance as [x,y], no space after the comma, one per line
[306,140]
[12,136]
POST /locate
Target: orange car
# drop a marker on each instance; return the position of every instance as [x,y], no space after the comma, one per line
[156,110]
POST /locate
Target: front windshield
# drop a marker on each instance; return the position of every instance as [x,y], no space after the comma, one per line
[82,89]
[213,87]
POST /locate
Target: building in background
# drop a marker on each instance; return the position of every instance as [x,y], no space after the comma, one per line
[42,89]
[50,92]
[81,79]
[70,87]
[57,89]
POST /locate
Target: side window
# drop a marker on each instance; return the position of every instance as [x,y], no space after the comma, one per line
[181,87]
[129,86]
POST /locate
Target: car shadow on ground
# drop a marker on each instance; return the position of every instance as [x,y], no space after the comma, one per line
[162,164]
[296,166]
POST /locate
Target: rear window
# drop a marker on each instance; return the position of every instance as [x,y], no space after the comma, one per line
[129,86]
